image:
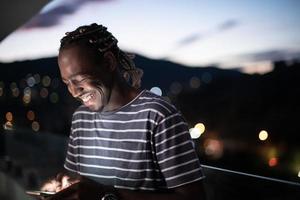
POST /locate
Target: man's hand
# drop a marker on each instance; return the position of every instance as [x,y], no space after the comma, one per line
[60,182]
[83,189]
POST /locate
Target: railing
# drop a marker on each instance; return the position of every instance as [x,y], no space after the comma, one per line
[20,170]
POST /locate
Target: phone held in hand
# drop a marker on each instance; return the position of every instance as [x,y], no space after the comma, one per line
[40,193]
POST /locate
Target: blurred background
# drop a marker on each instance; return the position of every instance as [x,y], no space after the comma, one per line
[231,67]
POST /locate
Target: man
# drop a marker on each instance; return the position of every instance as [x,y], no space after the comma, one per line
[125,143]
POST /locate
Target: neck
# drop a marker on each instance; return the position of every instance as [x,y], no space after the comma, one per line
[121,94]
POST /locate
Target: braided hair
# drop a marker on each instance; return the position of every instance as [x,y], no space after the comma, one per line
[97,37]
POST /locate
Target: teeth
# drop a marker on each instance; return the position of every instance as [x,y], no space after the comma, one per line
[86,97]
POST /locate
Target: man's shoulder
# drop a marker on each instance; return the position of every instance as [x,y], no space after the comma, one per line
[82,110]
[149,100]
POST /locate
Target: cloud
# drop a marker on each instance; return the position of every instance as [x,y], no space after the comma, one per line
[271,55]
[190,39]
[227,25]
[224,26]
[52,17]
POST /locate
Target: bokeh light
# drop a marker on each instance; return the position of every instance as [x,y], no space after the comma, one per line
[13,85]
[55,83]
[194,82]
[299,174]
[200,127]
[176,88]
[206,77]
[54,97]
[9,116]
[195,133]
[213,148]
[30,81]
[15,92]
[30,115]
[46,81]
[8,126]
[156,90]
[26,99]
[37,78]
[273,162]
[35,126]
[263,135]
[1,91]
[44,92]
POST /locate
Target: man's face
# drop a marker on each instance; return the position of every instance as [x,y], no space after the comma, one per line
[84,76]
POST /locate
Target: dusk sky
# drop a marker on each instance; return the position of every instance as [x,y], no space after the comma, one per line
[231,34]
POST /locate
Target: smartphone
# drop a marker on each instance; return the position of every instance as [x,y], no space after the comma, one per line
[40,193]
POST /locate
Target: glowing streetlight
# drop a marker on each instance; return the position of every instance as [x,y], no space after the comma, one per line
[156,90]
[263,135]
[273,162]
[200,127]
[195,133]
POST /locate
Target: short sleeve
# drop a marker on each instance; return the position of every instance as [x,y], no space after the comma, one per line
[176,156]
[71,161]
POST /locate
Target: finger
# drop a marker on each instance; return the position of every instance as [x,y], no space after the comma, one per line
[66,193]
[59,176]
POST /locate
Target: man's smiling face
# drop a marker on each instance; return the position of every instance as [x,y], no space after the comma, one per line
[85,75]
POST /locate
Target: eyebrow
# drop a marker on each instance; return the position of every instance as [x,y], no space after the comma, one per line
[74,75]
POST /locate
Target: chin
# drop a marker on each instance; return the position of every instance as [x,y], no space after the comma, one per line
[95,108]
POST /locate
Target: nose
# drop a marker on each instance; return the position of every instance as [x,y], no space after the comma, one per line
[75,90]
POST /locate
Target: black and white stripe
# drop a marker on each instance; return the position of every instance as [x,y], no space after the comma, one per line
[145,145]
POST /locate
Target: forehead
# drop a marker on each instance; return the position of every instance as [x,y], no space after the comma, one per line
[78,59]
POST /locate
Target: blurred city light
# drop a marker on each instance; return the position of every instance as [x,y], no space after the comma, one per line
[176,88]
[263,135]
[35,126]
[30,115]
[213,148]
[200,127]
[55,83]
[13,85]
[26,99]
[37,78]
[27,91]
[273,162]
[299,174]
[44,92]
[46,81]
[206,77]
[1,91]
[9,116]
[30,81]
[156,90]
[54,97]
[8,126]
[194,82]
[15,92]
[195,133]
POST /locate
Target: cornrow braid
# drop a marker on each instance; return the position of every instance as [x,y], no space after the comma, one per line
[102,40]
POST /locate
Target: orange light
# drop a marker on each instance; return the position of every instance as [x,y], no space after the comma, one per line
[9,116]
[30,115]
[273,162]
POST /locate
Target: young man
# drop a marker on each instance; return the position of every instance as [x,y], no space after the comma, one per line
[125,143]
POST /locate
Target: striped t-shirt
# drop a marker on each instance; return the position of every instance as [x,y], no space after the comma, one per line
[144,145]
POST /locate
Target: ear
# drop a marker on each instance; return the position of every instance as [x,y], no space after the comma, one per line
[110,60]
